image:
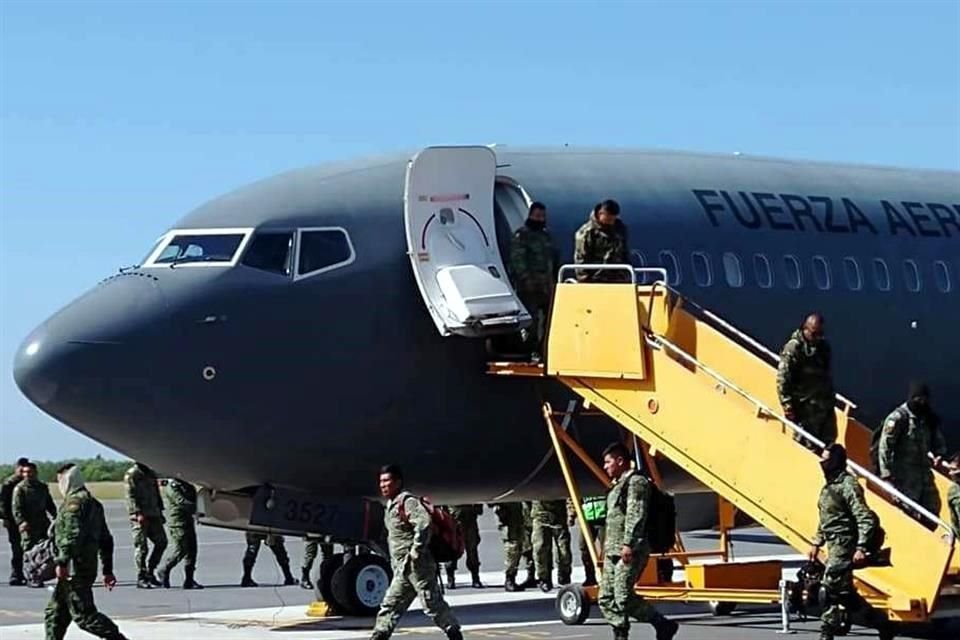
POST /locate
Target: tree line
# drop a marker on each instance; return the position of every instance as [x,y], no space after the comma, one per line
[94,469]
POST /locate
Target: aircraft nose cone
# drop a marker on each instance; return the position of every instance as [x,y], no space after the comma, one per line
[34,369]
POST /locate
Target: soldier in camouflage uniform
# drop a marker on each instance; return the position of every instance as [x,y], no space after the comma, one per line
[908,434]
[146,520]
[804,381]
[466,516]
[515,537]
[533,269]
[310,548]
[414,569]
[550,528]
[602,240]
[81,533]
[32,510]
[846,526]
[279,549]
[6,515]
[953,495]
[626,550]
[181,503]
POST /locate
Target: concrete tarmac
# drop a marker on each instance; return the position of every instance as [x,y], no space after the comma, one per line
[224,610]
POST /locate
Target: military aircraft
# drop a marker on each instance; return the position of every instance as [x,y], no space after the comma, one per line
[290,337]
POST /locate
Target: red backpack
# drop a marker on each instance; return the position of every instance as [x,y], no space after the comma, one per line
[446,537]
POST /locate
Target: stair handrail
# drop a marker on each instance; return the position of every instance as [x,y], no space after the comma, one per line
[657,341]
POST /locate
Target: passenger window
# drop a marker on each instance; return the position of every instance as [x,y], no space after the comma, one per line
[732,270]
[911,276]
[762,271]
[881,274]
[270,252]
[821,273]
[791,272]
[941,274]
[322,250]
[851,271]
[672,265]
[702,270]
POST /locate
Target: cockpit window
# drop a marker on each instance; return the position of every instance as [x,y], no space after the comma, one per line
[271,252]
[210,247]
[321,250]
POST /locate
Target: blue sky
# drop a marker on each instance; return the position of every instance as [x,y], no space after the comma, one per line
[117,118]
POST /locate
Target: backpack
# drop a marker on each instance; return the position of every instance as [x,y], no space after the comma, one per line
[446,537]
[661,529]
[40,562]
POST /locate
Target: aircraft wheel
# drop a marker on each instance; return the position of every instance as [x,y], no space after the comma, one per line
[573,606]
[722,608]
[323,585]
[360,585]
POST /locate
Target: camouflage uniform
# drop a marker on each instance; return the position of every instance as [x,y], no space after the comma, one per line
[33,505]
[181,503]
[549,529]
[595,513]
[905,440]
[310,549]
[80,532]
[596,244]
[953,501]
[805,386]
[846,523]
[13,533]
[143,498]
[515,537]
[276,545]
[627,503]
[466,516]
[414,569]
[533,268]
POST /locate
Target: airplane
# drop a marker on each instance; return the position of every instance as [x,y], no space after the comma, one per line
[298,333]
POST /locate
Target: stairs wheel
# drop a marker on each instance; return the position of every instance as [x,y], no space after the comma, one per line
[718,608]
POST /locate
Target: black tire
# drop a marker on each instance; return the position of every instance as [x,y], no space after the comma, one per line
[722,608]
[360,585]
[323,585]
[573,606]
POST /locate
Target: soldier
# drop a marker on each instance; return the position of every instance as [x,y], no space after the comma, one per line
[533,268]
[953,495]
[602,240]
[310,549]
[908,434]
[625,550]
[6,515]
[466,516]
[595,513]
[804,381]
[414,569]
[181,502]
[81,533]
[32,510]
[276,545]
[146,521]
[549,529]
[513,532]
[846,527]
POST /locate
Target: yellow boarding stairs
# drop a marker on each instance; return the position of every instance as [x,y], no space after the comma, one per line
[694,389]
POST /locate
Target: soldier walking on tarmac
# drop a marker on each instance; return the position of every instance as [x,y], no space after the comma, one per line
[279,549]
[181,498]
[466,516]
[515,537]
[32,510]
[550,529]
[805,382]
[414,568]
[846,526]
[310,549]
[533,268]
[80,533]
[146,520]
[626,550]
[13,532]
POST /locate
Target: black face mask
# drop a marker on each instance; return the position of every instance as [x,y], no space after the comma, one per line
[919,407]
[833,466]
[536,225]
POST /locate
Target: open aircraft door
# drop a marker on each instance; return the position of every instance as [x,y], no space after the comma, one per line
[452,242]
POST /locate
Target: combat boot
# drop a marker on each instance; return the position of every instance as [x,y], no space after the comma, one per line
[512,586]
[475,577]
[590,578]
[380,635]
[143,582]
[305,582]
[451,578]
[188,581]
[164,575]
[17,581]
[288,579]
[247,580]
[563,580]
[531,580]
[545,585]
[621,634]
[153,579]
[665,627]
[454,633]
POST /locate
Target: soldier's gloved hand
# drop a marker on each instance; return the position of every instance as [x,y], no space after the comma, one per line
[109,581]
[141,519]
[63,572]
[24,526]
